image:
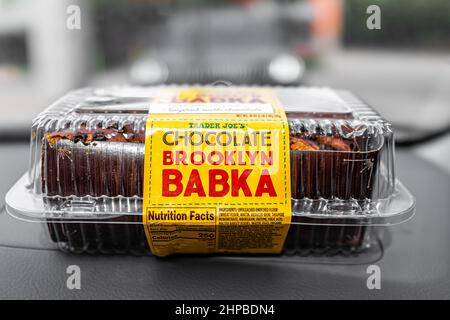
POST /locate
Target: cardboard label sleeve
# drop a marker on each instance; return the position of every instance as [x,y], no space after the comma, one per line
[217,176]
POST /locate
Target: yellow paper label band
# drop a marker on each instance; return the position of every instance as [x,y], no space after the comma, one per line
[216,173]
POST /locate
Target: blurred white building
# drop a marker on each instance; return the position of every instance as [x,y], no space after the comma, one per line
[57,57]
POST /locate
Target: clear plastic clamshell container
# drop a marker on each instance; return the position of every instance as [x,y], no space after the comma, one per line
[85,178]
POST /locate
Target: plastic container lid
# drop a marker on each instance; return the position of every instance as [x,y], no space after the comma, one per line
[342,159]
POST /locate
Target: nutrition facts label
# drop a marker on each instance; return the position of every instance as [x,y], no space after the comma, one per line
[203,230]
[187,230]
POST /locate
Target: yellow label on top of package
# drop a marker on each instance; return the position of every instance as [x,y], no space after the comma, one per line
[216,176]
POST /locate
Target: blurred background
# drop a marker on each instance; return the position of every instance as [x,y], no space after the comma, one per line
[402,69]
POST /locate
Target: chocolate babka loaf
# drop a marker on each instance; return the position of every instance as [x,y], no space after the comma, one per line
[328,164]
[91,150]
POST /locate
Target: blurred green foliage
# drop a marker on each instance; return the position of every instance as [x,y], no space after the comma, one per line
[404,23]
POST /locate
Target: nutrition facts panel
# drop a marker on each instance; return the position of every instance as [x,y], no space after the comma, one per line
[196,229]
